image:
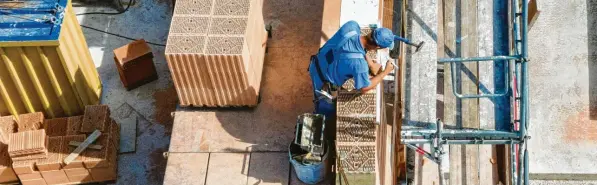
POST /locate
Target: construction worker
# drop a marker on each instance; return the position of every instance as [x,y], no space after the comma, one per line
[343,57]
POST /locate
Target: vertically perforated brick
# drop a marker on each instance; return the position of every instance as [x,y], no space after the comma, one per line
[190,25]
[356,129]
[185,44]
[98,158]
[193,7]
[78,175]
[54,159]
[228,26]
[26,143]
[55,177]
[96,118]
[56,127]
[357,159]
[232,7]
[33,182]
[73,125]
[7,173]
[224,45]
[67,149]
[30,176]
[115,133]
[7,126]
[30,121]
[24,167]
[109,172]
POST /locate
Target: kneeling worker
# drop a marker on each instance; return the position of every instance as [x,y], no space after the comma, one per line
[343,57]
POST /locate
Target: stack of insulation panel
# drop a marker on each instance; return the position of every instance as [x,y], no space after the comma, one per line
[215,51]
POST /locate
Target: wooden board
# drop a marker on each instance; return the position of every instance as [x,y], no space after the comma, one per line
[82,147]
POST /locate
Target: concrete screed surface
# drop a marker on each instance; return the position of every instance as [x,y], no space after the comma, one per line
[563,88]
[151,103]
[257,138]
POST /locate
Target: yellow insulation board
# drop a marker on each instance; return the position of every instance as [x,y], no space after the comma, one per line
[58,80]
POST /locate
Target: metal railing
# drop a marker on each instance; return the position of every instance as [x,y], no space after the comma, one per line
[517,136]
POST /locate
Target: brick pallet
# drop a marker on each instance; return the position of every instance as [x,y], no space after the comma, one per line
[215,52]
[90,166]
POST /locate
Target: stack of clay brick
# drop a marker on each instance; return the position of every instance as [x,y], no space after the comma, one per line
[215,51]
[33,150]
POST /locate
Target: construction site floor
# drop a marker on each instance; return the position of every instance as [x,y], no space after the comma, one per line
[248,145]
[240,145]
[151,103]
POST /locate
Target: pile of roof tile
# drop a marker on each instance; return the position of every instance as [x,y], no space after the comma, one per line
[32,150]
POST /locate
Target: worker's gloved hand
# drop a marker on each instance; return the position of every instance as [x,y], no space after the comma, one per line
[389,66]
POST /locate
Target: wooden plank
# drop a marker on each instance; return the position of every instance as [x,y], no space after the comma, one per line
[82,147]
[92,146]
[421,80]
[450,109]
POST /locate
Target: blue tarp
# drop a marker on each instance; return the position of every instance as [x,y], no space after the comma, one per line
[34,20]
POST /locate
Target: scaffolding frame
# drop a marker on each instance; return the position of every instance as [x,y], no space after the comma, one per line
[517,136]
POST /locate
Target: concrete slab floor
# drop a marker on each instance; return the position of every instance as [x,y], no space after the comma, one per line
[153,102]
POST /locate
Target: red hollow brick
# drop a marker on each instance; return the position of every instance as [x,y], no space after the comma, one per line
[78,175]
[55,177]
[134,62]
[66,150]
[34,182]
[56,127]
[7,126]
[54,158]
[30,121]
[73,125]
[96,118]
[27,142]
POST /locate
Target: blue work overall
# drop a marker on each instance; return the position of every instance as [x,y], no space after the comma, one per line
[337,64]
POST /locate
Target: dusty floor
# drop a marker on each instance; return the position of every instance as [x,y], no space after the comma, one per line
[285,92]
[151,103]
[256,138]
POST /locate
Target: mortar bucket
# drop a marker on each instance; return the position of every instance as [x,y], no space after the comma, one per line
[311,173]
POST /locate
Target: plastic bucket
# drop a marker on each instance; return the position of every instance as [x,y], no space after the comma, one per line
[309,173]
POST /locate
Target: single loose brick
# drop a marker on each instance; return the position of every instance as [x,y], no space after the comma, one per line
[7,174]
[73,125]
[40,156]
[56,127]
[55,177]
[7,126]
[24,167]
[30,121]
[34,182]
[27,142]
[30,176]
[66,150]
[103,174]
[54,159]
[96,118]
[78,175]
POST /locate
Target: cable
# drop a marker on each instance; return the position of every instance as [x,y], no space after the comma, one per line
[109,13]
[121,36]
